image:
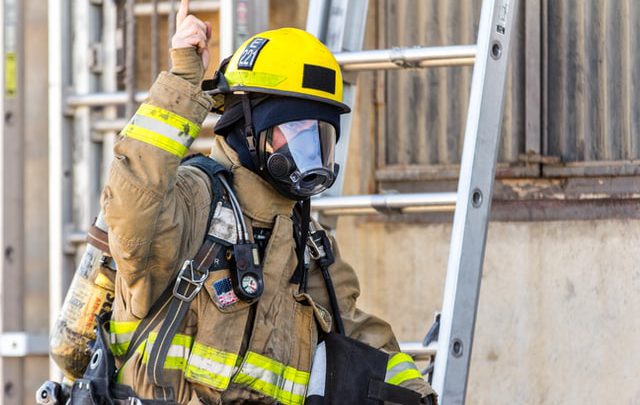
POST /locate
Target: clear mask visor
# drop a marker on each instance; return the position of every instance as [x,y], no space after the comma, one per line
[301,155]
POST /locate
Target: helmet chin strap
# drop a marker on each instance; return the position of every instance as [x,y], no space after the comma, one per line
[252,146]
[249,132]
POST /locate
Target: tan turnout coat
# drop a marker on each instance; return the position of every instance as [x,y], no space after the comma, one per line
[157,213]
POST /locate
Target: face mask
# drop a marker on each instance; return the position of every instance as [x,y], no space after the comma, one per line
[299,157]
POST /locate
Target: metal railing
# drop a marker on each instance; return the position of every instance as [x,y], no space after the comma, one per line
[395,58]
[164,7]
[403,58]
[385,204]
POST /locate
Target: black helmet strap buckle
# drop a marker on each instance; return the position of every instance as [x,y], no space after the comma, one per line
[217,87]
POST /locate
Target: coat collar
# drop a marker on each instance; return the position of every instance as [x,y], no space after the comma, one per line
[259,200]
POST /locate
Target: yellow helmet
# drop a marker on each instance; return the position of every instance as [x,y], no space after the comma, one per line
[287,62]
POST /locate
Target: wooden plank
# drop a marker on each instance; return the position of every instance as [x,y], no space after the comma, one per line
[594,168]
[615,22]
[533,77]
[634,79]
[448,172]
[558,189]
[380,98]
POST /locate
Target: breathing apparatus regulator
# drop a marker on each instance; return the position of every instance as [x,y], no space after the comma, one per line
[280,96]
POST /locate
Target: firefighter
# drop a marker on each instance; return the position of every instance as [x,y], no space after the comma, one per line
[243,340]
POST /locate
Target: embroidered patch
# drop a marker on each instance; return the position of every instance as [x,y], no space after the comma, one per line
[250,53]
[223,224]
[224,292]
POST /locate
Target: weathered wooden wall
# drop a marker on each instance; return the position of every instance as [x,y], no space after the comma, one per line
[592,76]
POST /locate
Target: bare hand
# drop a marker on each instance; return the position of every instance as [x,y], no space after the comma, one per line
[192,32]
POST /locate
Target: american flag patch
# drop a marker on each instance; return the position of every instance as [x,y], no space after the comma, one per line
[224,292]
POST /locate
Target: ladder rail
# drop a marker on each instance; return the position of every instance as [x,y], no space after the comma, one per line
[475,189]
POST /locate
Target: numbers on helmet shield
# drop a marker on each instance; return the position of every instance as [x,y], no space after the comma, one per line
[250,53]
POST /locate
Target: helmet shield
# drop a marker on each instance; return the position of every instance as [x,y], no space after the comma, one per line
[300,156]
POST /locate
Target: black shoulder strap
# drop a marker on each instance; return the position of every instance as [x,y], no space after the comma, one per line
[322,253]
[301,219]
[173,304]
[189,281]
[211,168]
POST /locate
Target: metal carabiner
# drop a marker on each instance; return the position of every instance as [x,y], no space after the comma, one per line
[189,280]
[316,252]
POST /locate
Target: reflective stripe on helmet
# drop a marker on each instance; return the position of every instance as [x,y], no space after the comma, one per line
[120,336]
[163,129]
[210,366]
[401,368]
[282,383]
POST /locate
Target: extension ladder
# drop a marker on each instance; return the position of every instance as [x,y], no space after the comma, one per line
[340,24]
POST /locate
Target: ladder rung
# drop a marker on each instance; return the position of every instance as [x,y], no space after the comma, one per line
[415,57]
[102,99]
[76,237]
[118,124]
[384,203]
[164,7]
[418,351]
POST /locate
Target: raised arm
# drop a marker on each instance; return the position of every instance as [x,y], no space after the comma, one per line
[156,213]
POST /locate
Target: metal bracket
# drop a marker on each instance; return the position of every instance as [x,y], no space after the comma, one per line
[95,62]
[22,344]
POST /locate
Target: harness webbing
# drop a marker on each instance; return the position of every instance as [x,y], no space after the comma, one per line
[188,284]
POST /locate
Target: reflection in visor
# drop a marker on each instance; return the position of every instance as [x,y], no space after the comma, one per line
[303,143]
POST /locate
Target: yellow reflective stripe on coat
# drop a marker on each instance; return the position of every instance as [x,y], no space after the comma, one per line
[120,334]
[401,368]
[282,383]
[210,366]
[163,129]
[178,352]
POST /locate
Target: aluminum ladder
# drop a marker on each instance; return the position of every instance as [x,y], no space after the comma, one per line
[340,25]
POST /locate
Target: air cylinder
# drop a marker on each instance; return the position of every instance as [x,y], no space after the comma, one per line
[91,293]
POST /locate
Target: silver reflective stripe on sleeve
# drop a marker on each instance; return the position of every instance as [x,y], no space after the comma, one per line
[274,379]
[401,368]
[168,131]
[210,366]
[318,372]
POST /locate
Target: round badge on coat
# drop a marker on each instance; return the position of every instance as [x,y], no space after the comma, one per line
[249,284]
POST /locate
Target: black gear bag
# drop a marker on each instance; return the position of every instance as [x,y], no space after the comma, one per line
[94,386]
[355,372]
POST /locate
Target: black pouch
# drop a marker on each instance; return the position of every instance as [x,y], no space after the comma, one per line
[94,386]
[355,375]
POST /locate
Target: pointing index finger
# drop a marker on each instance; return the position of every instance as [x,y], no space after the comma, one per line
[183,12]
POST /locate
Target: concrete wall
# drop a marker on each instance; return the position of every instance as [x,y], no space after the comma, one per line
[556,321]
